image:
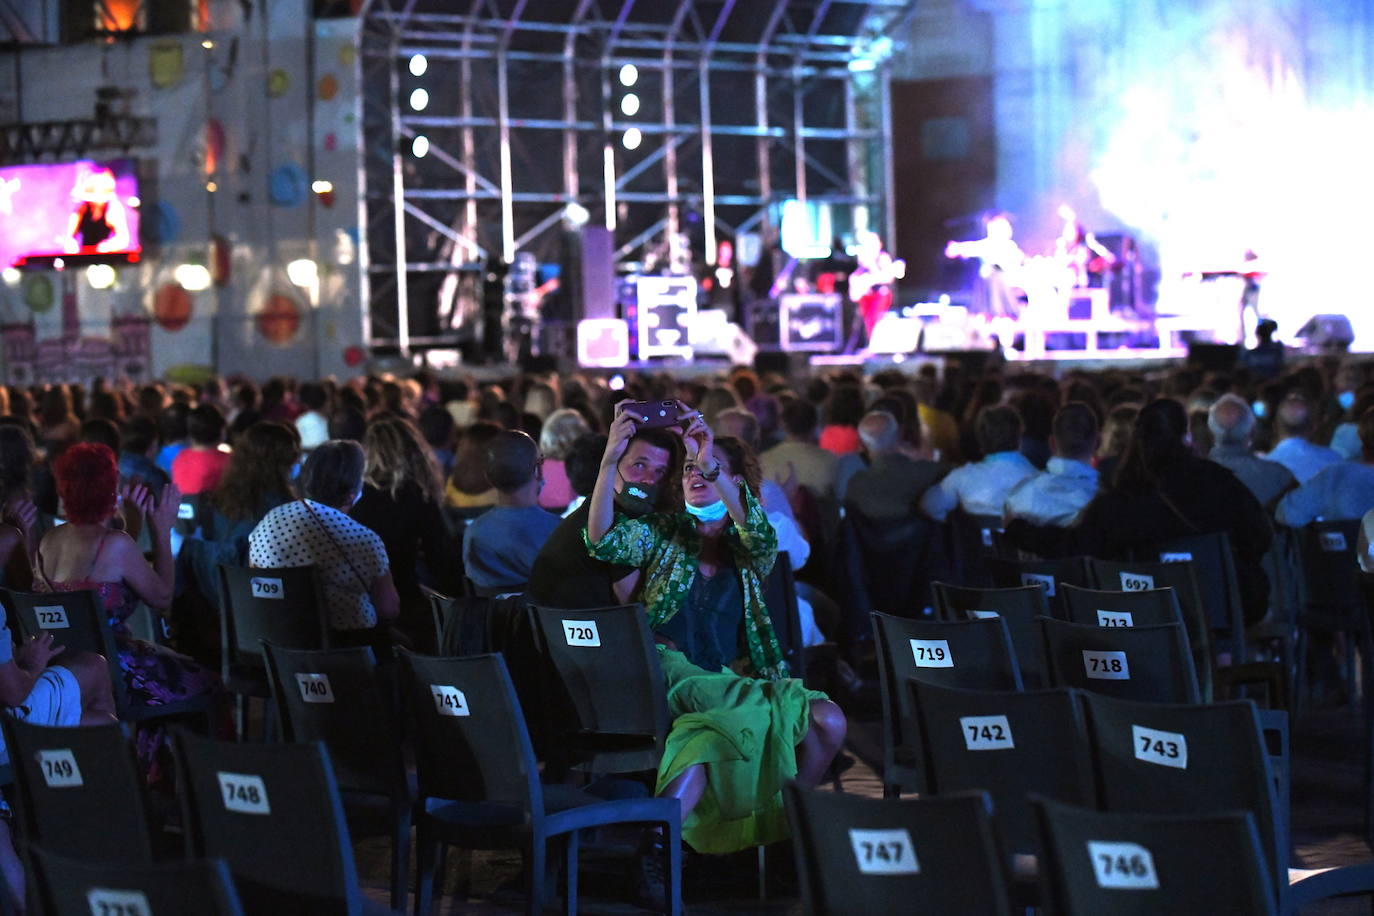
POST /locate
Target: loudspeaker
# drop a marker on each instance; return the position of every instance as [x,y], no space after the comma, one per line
[594,287]
[1328,332]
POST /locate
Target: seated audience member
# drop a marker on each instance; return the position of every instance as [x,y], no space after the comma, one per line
[892,484]
[437,426]
[138,450]
[500,545]
[1057,494]
[1345,439]
[1163,491]
[1116,435]
[743,425]
[843,413]
[58,425]
[347,423]
[316,530]
[564,575]
[981,488]
[105,432]
[468,486]
[1343,490]
[173,434]
[201,464]
[402,496]
[561,429]
[85,554]
[1232,423]
[937,426]
[1367,542]
[735,737]
[1295,422]
[798,454]
[313,423]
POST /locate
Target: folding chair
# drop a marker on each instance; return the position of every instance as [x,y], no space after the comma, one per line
[189,510]
[1133,663]
[1018,607]
[1332,603]
[79,887]
[860,855]
[272,812]
[1049,574]
[78,623]
[79,792]
[1146,864]
[605,703]
[283,606]
[1217,581]
[340,697]
[1009,745]
[977,540]
[885,565]
[971,653]
[479,783]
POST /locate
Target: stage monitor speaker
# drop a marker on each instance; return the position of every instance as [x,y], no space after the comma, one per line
[1212,357]
[1328,332]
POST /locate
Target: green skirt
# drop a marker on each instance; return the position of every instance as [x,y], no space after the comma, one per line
[746,732]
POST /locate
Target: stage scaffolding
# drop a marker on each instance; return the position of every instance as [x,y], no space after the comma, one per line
[741,105]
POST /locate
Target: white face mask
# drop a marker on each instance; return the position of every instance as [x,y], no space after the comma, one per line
[712,512]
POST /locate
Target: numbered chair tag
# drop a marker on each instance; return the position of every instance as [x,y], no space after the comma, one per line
[884,852]
[987,537]
[1123,866]
[1332,541]
[186,511]
[106,901]
[1136,582]
[1181,556]
[1114,618]
[244,793]
[582,633]
[1166,749]
[51,617]
[449,700]
[1040,579]
[59,768]
[932,653]
[315,688]
[981,615]
[264,587]
[986,733]
[1106,666]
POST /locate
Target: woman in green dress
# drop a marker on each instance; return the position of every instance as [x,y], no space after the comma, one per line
[741,726]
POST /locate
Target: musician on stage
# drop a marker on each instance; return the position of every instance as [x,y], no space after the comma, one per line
[1002,262]
[871,283]
[1080,253]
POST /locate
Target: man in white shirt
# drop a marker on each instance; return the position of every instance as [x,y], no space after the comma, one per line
[981,488]
[1295,420]
[1069,482]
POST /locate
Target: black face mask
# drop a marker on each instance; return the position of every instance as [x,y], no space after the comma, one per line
[636,499]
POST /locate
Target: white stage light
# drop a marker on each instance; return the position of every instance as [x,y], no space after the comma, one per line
[419,99]
[629,74]
[633,137]
[321,186]
[420,146]
[418,65]
[12,276]
[192,277]
[629,106]
[100,276]
[576,214]
[302,272]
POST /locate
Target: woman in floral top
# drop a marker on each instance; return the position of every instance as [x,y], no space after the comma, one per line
[741,726]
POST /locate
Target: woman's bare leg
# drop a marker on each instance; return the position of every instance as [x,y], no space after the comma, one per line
[97,697]
[822,742]
[687,787]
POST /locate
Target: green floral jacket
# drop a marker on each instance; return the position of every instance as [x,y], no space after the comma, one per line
[666,547]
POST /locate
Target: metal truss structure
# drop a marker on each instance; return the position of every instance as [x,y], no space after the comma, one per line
[525,131]
[58,139]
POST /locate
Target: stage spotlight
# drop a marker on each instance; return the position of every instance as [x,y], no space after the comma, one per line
[419,99]
[862,65]
[420,146]
[100,276]
[321,186]
[576,215]
[418,65]
[192,277]
[628,75]
[12,276]
[629,106]
[303,272]
[633,137]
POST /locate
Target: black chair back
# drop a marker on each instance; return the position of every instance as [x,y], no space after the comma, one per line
[1145,864]
[860,855]
[1331,568]
[189,515]
[339,697]
[80,793]
[886,565]
[780,597]
[1049,574]
[1217,582]
[77,622]
[1132,663]
[1018,608]
[1009,745]
[272,812]
[470,740]
[977,540]
[283,606]
[1097,608]
[78,887]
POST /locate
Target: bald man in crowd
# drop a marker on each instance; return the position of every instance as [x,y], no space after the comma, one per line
[1296,420]
[892,485]
[1232,423]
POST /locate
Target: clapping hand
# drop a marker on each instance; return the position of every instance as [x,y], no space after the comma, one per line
[34,653]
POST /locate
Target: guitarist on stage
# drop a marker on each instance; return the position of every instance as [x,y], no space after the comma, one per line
[870,284]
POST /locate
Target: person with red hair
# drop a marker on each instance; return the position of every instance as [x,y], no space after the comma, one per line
[87,554]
